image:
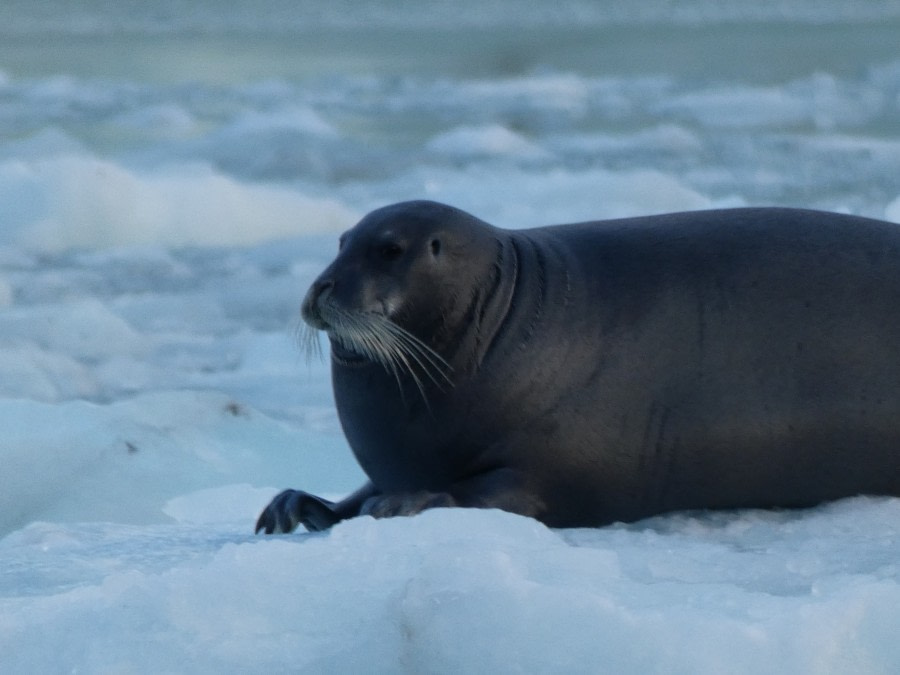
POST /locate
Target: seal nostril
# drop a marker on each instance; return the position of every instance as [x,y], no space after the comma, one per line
[320,290]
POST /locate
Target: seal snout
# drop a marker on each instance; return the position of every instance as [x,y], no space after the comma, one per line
[311,310]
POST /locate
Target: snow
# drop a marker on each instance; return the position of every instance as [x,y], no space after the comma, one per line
[459,591]
[173,180]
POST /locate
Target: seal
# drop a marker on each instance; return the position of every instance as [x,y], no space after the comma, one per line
[609,371]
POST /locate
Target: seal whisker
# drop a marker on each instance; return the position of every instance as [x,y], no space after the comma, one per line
[378,339]
[389,351]
[433,358]
[432,363]
[397,357]
[433,370]
[401,349]
[391,354]
[389,358]
[308,340]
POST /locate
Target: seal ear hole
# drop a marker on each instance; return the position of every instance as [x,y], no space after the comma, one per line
[435,247]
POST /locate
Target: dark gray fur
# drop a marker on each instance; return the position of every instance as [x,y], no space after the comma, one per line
[613,370]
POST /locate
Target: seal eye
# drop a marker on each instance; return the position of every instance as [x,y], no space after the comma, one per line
[435,247]
[390,251]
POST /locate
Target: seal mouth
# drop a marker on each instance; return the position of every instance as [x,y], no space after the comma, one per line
[346,356]
[363,338]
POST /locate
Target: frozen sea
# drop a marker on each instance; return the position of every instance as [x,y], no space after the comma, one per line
[174,174]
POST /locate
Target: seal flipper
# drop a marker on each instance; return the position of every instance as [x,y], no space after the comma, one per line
[405,503]
[291,508]
[499,488]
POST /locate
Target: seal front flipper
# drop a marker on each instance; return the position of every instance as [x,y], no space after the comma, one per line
[294,507]
[494,489]
[405,503]
[501,488]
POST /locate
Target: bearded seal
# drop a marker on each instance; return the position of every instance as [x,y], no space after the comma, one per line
[609,371]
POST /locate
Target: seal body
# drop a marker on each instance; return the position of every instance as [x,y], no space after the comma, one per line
[613,370]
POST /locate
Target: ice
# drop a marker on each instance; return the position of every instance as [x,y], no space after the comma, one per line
[75,201]
[173,177]
[84,329]
[123,462]
[892,211]
[526,198]
[454,591]
[750,108]
[32,372]
[164,120]
[490,141]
